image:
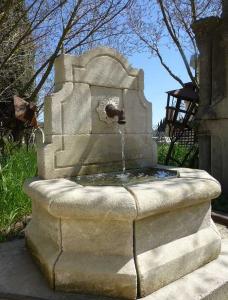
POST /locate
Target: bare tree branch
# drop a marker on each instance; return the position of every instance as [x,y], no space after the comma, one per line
[177,43]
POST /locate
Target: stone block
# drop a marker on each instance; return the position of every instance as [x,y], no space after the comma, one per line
[170,226]
[105,70]
[44,240]
[97,236]
[209,282]
[113,276]
[169,262]
[76,111]
[137,112]
[100,149]
[95,154]
[157,197]
[52,109]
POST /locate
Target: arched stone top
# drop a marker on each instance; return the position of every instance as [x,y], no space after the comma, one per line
[77,139]
[105,51]
[101,66]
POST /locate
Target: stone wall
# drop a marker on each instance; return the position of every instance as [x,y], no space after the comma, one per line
[212,39]
[79,137]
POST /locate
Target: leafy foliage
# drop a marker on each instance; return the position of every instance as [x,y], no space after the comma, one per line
[179,154]
[14,204]
[16,58]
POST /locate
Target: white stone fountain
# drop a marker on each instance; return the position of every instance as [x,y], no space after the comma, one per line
[123,241]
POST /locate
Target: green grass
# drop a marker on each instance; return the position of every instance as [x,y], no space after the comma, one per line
[14,204]
[179,155]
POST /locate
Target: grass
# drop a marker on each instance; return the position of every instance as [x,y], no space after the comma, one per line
[179,155]
[14,204]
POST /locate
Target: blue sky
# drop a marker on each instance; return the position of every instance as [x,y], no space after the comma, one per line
[156,79]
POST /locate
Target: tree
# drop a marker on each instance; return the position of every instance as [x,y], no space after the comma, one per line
[34,32]
[18,67]
[51,27]
[157,23]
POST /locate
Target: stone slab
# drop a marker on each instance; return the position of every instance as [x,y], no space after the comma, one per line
[21,279]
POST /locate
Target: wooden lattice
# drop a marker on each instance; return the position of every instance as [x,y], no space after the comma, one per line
[182,105]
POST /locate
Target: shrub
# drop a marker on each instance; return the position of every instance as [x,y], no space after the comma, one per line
[14,204]
[179,154]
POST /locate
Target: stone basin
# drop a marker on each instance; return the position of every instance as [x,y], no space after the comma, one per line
[122,241]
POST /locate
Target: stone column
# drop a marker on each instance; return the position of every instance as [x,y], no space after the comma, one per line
[204,36]
[205,152]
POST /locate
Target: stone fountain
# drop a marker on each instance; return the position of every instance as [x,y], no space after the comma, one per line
[128,240]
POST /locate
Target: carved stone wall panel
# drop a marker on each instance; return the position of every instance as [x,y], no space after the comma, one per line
[105,71]
[97,149]
[76,111]
[137,112]
[80,137]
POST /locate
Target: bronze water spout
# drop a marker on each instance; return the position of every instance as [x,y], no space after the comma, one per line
[112,111]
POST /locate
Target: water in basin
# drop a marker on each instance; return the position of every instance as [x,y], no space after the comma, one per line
[129,177]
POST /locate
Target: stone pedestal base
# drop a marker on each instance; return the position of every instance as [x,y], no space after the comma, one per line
[207,283]
[125,242]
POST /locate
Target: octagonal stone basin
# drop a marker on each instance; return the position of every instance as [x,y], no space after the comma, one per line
[122,241]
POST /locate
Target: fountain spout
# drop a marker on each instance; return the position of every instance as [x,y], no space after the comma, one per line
[112,111]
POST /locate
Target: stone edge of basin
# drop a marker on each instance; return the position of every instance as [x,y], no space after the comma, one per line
[65,198]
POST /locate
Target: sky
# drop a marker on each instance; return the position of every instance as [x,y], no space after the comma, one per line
[157,81]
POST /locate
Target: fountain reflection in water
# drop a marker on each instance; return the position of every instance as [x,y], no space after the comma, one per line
[130,177]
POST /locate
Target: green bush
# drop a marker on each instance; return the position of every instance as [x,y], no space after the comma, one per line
[14,204]
[162,152]
[179,154]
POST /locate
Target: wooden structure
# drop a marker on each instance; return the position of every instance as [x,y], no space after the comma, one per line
[16,116]
[182,105]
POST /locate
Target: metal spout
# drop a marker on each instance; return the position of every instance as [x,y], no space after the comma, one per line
[111,112]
